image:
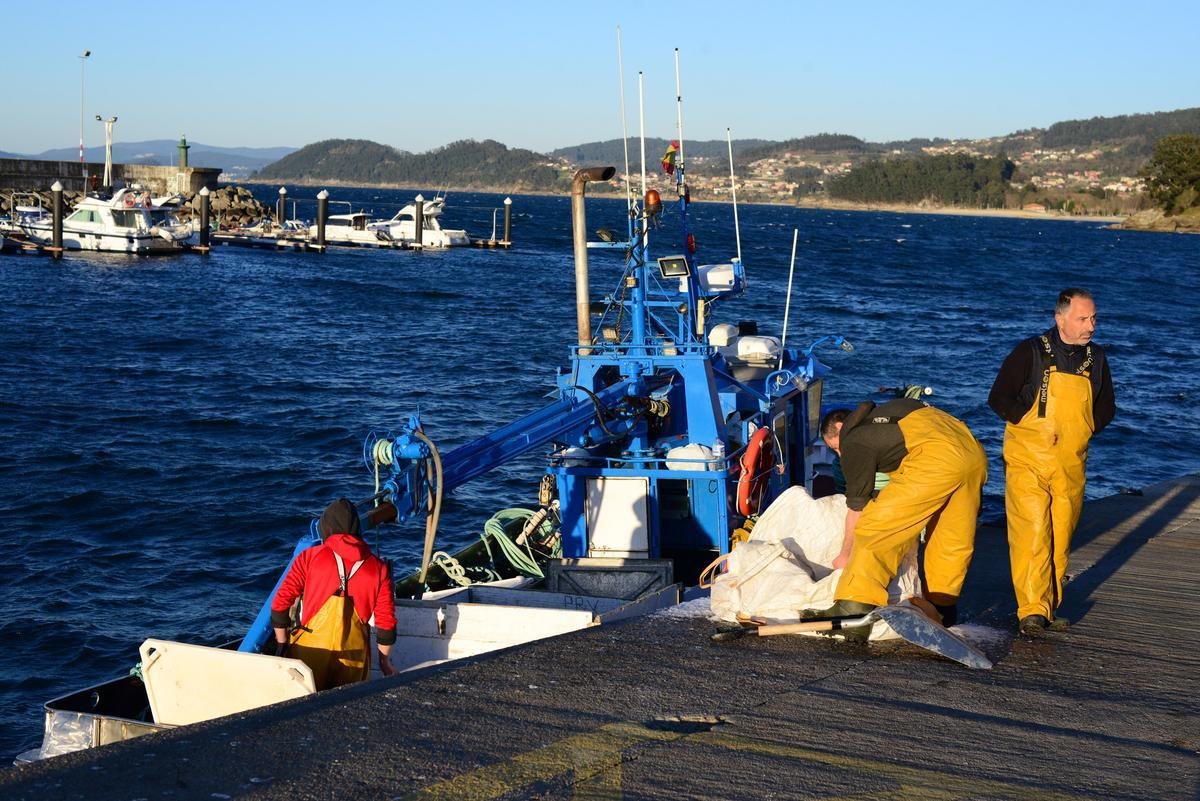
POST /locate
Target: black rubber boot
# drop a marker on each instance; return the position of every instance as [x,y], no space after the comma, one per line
[839,609]
[949,614]
[1058,624]
[1034,625]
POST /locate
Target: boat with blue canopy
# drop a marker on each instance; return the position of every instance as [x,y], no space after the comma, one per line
[669,430]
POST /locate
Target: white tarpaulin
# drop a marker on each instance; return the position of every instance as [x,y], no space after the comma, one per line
[785,566]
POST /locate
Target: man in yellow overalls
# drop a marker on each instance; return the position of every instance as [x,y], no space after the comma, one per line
[1054,391]
[937,470]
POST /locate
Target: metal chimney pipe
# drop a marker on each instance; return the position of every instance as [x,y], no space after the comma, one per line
[583,314]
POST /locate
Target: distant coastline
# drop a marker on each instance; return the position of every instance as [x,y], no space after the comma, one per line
[833,205]
[958,211]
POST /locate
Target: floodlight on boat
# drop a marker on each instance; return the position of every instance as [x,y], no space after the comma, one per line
[673,267]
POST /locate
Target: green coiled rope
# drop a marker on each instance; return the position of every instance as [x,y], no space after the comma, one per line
[520,557]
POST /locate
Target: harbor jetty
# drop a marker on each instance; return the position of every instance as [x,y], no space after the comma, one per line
[24,175]
[653,708]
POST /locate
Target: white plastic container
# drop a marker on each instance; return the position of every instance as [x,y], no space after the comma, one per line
[690,457]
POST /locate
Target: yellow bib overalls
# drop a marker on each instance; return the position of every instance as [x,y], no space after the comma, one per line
[1045,457]
[335,641]
[937,485]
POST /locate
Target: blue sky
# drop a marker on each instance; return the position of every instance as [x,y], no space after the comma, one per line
[416,75]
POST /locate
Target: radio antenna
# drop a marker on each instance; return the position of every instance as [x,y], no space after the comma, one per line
[787,307]
[737,231]
[624,125]
[642,125]
[679,115]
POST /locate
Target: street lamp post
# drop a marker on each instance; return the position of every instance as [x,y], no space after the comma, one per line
[82,60]
[108,125]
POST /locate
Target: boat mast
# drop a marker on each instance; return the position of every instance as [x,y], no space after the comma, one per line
[642,123]
[641,251]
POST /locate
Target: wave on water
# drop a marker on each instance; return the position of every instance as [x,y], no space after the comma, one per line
[168,427]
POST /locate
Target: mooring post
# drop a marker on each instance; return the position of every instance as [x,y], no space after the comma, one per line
[56,204]
[322,212]
[507,221]
[281,209]
[204,211]
[419,222]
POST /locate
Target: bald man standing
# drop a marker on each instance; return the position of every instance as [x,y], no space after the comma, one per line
[1054,392]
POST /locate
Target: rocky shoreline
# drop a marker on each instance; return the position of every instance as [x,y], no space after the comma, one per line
[1156,220]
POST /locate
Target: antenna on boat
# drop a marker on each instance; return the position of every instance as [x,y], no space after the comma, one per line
[624,127]
[787,307]
[642,130]
[679,118]
[737,231]
[694,328]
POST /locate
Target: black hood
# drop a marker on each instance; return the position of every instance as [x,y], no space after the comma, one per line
[340,517]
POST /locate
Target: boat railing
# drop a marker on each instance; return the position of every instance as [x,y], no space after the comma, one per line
[23,204]
[664,464]
[664,349]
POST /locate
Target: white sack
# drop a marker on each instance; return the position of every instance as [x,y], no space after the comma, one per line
[786,564]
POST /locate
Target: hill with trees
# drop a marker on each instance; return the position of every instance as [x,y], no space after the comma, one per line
[612,151]
[822,143]
[1142,130]
[1070,158]
[954,179]
[463,165]
[1173,180]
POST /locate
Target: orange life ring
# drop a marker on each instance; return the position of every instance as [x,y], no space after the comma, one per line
[756,463]
[147,202]
[129,201]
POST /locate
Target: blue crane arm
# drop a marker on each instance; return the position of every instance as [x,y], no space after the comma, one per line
[521,436]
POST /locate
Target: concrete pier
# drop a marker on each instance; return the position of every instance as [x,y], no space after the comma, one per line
[652,708]
[37,174]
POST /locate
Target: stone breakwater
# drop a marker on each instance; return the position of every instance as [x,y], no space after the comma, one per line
[231,206]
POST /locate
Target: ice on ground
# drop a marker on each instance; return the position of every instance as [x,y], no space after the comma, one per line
[697,607]
[982,636]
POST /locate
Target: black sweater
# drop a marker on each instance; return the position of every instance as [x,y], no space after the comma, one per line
[1020,377]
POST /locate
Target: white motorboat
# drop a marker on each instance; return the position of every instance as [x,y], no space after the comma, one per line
[131,221]
[403,226]
[354,229]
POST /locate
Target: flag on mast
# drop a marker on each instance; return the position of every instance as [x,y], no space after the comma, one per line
[668,159]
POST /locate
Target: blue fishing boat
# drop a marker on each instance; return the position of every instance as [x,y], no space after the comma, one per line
[668,431]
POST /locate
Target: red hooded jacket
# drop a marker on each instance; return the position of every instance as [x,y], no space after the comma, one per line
[314,574]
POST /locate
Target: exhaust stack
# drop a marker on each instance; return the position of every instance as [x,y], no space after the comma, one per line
[583,317]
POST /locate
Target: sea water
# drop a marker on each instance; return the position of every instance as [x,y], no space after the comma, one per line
[169,426]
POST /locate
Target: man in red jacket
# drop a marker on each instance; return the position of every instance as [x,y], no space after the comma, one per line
[343,588]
